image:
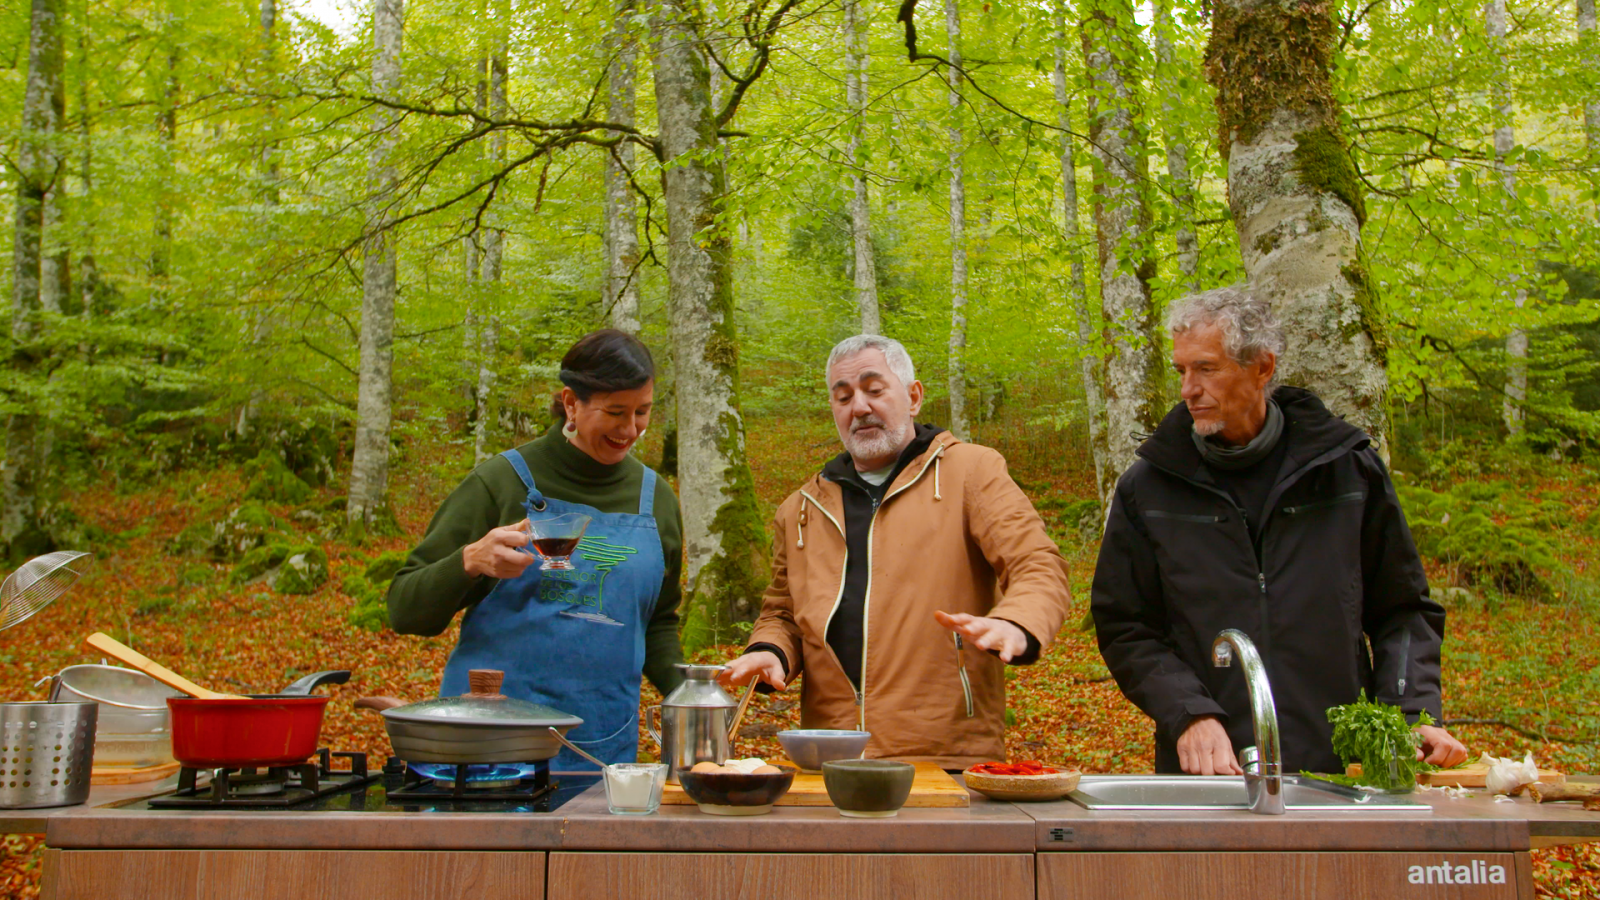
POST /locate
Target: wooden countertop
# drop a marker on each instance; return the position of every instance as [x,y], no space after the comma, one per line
[1469,824]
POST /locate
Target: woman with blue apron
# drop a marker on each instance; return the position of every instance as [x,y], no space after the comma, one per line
[574,639]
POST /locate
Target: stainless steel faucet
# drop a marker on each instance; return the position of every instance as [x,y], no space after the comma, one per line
[1263,763]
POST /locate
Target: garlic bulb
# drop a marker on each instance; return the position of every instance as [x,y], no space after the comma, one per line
[1506,775]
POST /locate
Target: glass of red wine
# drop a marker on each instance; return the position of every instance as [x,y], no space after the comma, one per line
[555,538]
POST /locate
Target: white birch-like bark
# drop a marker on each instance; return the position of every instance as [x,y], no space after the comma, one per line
[1177,147]
[369,470]
[53,278]
[1131,386]
[1589,59]
[488,344]
[621,231]
[1296,204]
[1071,235]
[38,168]
[958,232]
[856,65]
[1513,410]
[724,541]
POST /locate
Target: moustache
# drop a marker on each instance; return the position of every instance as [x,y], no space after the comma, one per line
[867,422]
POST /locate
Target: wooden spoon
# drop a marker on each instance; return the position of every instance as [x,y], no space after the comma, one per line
[733,729]
[115,648]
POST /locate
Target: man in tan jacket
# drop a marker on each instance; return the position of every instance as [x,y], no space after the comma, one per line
[905,576]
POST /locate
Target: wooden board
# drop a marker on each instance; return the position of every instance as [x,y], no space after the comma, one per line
[932,787]
[1302,876]
[790,876]
[292,875]
[130,775]
[1472,775]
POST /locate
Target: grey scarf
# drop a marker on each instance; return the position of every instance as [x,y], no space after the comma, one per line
[1230,459]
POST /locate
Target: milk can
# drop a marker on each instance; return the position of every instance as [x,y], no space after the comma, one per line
[693,721]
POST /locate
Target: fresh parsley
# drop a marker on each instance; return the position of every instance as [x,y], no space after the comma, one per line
[1378,736]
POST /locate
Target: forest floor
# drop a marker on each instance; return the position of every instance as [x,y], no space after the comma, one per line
[1531,665]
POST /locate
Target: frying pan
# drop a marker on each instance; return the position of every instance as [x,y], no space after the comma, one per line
[259,730]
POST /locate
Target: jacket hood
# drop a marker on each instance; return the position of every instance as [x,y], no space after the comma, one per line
[843,468]
[1309,427]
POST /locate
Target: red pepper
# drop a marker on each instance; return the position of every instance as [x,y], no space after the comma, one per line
[1024,767]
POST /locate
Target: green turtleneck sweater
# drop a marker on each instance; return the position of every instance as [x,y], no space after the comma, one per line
[433,585]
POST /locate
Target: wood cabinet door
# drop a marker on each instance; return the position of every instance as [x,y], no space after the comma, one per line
[292,875]
[790,876]
[1303,876]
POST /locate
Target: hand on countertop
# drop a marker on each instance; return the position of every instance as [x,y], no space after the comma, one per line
[1204,749]
[760,664]
[1439,747]
[499,553]
[987,634]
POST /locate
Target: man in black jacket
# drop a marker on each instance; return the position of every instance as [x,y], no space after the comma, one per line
[1252,507]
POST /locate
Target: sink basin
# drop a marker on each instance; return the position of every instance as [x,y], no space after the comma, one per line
[1228,792]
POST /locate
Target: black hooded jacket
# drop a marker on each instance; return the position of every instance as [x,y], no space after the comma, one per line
[1332,570]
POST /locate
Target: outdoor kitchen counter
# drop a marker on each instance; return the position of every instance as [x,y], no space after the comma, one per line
[1472,823]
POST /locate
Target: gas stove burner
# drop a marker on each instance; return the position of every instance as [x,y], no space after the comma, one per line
[279,787]
[435,782]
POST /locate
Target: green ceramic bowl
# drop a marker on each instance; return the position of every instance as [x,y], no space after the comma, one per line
[868,788]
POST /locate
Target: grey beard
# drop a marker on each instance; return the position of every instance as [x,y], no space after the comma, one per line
[873,448]
[1207,429]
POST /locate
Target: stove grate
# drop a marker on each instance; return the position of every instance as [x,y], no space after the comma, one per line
[251,788]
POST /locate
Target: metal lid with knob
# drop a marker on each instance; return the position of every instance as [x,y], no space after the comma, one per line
[484,705]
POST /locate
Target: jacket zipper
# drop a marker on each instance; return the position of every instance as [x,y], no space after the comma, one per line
[861,707]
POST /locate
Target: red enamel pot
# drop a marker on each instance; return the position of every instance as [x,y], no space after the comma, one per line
[237,732]
[260,730]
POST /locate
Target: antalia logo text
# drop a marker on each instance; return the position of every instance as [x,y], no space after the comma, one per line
[1476,871]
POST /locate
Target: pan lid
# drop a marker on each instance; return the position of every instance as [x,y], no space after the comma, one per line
[484,706]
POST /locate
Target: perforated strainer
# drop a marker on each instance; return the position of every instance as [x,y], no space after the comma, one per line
[37,582]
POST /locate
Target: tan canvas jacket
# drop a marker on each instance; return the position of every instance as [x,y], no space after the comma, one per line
[953,533]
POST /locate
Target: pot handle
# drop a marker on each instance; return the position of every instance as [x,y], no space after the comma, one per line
[55,686]
[653,715]
[379,703]
[309,683]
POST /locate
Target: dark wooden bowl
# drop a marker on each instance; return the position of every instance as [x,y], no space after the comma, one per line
[736,794]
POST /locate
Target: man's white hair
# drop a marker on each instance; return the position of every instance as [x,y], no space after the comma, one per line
[1248,325]
[893,351]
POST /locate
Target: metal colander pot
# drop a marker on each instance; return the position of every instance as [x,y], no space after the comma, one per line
[46,753]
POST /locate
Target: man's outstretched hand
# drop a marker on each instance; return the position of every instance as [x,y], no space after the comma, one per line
[988,634]
[1204,749]
[762,664]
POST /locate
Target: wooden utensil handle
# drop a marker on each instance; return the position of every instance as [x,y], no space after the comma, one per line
[115,648]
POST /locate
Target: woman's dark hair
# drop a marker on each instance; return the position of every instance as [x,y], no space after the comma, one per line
[602,362]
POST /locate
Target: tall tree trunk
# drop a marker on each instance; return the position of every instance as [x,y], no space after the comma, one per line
[38,169]
[1589,59]
[1296,199]
[1177,146]
[166,168]
[958,232]
[724,539]
[1513,407]
[1071,236]
[856,65]
[55,278]
[369,471]
[261,315]
[493,247]
[1133,369]
[89,278]
[622,211]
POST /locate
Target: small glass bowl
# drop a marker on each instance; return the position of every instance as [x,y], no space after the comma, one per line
[634,789]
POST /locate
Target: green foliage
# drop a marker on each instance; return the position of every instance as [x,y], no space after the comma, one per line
[383,567]
[270,479]
[285,568]
[1489,533]
[1378,736]
[370,611]
[247,528]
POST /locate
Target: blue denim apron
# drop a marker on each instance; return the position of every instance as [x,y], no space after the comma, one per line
[573,639]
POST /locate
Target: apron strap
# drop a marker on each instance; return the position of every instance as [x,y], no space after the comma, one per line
[535,501]
[647,492]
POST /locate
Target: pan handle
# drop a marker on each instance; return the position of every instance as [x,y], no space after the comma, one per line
[379,703]
[310,683]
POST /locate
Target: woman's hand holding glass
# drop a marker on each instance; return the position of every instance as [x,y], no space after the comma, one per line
[500,554]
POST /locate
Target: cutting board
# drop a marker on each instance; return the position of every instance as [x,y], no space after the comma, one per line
[130,775]
[1471,775]
[932,787]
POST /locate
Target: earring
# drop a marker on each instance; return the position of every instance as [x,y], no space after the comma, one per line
[569,429]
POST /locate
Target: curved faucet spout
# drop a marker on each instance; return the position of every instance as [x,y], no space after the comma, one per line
[1263,763]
